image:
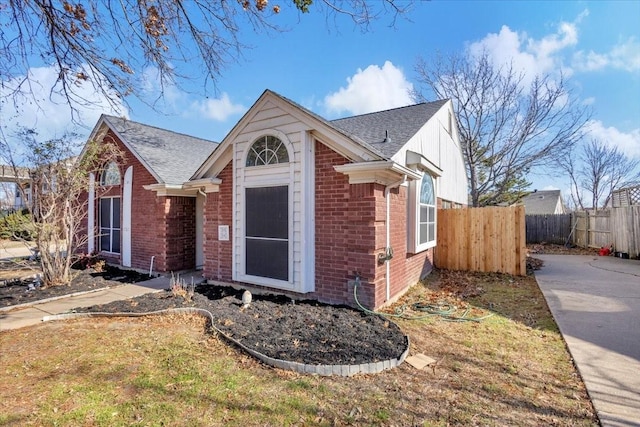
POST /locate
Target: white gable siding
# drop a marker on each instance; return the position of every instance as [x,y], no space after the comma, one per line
[271,119]
[442,149]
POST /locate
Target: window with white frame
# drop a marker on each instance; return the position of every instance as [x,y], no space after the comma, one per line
[422,216]
[110,224]
[111,175]
[267,203]
[267,150]
[427,216]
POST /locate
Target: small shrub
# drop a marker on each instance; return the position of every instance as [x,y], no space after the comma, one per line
[179,288]
[99,266]
[17,226]
[84,261]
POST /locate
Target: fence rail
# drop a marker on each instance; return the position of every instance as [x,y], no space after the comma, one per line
[482,239]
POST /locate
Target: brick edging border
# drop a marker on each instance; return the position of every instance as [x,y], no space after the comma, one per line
[323,370]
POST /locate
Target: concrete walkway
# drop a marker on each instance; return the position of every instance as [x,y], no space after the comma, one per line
[596,304]
[13,318]
[32,314]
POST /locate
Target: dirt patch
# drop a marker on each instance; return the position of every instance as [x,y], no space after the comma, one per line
[553,249]
[300,331]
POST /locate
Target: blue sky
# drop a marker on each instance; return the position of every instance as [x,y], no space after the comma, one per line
[336,70]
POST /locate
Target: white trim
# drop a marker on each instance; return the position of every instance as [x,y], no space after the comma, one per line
[126,217]
[208,185]
[200,202]
[111,216]
[91,214]
[257,177]
[307,214]
[384,172]
[171,190]
[413,225]
[419,162]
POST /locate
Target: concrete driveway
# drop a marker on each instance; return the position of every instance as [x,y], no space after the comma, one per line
[596,303]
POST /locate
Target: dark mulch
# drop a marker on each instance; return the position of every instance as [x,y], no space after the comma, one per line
[300,331]
[26,288]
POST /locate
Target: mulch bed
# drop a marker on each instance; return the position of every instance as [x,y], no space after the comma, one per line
[299,331]
[26,289]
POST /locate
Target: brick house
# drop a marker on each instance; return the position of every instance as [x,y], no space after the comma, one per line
[144,215]
[290,202]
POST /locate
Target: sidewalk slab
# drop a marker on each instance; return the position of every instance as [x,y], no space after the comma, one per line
[20,318]
[596,304]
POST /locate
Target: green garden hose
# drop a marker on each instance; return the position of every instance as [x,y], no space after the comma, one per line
[444,310]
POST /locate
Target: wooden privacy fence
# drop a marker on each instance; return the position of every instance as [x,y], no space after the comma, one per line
[548,228]
[617,226]
[482,239]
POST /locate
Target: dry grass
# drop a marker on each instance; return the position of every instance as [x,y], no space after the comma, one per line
[511,369]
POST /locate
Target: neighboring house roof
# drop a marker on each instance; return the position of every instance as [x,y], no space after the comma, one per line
[172,158]
[388,131]
[543,202]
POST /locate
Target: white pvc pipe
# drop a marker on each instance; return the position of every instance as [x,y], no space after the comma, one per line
[151,266]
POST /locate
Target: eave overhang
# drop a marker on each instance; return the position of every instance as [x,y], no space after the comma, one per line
[188,189]
[385,172]
[416,161]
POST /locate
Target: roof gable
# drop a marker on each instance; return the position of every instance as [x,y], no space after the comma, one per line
[351,146]
[170,157]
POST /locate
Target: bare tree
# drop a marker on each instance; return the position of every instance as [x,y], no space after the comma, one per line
[58,181]
[600,169]
[104,43]
[507,129]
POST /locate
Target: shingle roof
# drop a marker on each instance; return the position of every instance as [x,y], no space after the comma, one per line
[172,157]
[541,202]
[400,124]
[330,124]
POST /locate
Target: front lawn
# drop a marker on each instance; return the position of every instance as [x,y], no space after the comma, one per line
[510,369]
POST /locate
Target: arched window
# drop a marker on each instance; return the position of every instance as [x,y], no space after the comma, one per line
[111,175]
[267,150]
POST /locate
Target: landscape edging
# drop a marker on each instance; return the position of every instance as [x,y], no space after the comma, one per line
[322,370]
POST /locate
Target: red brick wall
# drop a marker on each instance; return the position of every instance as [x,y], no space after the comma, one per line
[345,244]
[406,269]
[218,211]
[351,232]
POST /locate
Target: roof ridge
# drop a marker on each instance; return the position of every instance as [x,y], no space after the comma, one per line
[392,109]
[108,116]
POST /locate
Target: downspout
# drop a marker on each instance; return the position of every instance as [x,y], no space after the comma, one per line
[388,252]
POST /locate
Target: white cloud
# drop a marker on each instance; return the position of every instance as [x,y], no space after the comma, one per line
[528,55]
[550,187]
[371,89]
[623,56]
[47,112]
[627,142]
[218,109]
